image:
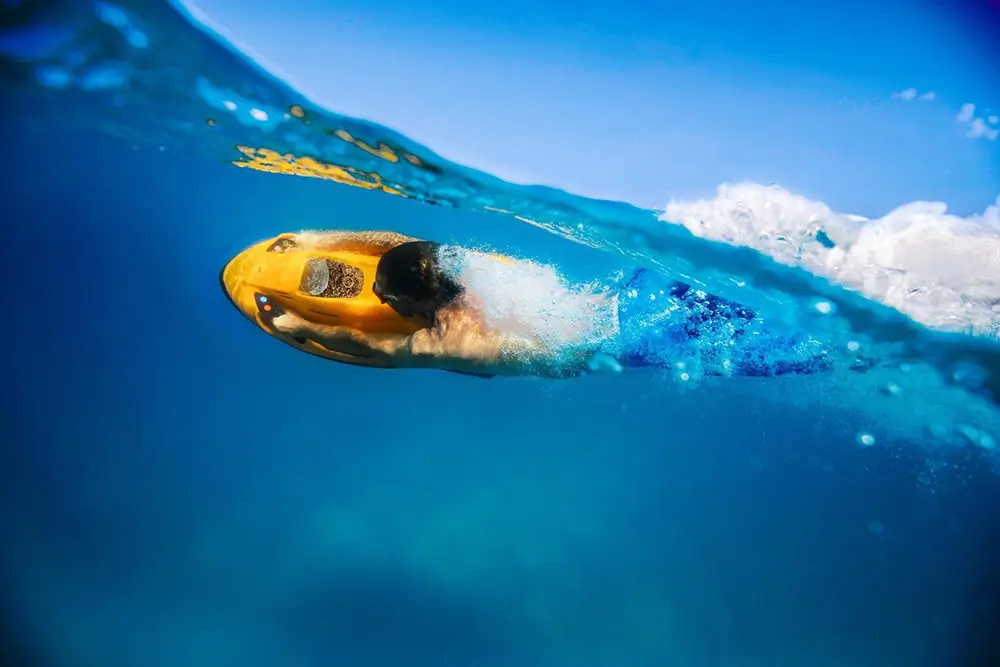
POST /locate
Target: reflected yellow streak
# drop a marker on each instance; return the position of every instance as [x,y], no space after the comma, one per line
[383,151]
[265,159]
[414,160]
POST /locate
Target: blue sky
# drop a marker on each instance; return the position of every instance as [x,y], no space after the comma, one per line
[648,101]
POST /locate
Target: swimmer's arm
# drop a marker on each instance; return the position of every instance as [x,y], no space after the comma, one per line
[454,344]
[427,348]
[461,342]
[385,345]
[535,358]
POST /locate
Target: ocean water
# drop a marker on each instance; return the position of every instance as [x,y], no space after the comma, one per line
[180,489]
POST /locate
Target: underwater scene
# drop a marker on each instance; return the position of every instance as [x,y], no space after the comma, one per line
[288,387]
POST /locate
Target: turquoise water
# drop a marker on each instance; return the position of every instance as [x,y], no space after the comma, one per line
[181,489]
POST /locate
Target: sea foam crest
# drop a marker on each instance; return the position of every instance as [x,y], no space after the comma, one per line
[530,299]
[940,269]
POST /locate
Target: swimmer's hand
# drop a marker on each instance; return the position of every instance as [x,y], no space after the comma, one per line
[292,325]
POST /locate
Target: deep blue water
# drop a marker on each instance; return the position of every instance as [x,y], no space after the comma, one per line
[179,489]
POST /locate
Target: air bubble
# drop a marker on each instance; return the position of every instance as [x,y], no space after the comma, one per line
[53,77]
[893,389]
[111,15]
[603,363]
[118,18]
[969,432]
[137,39]
[976,437]
[104,77]
[823,307]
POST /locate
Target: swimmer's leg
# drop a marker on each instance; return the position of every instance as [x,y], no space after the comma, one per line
[664,323]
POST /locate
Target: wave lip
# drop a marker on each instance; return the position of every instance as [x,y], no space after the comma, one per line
[941,270]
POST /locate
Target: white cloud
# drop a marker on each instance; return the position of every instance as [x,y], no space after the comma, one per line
[966,114]
[978,128]
[911,94]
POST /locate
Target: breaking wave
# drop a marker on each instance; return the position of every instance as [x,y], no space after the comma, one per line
[940,269]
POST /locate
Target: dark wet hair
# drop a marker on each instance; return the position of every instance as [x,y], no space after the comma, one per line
[409,278]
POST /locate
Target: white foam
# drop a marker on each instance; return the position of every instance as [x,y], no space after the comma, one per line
[940,269]
[531,300]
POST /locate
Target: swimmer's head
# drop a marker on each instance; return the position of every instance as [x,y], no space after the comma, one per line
[410,279]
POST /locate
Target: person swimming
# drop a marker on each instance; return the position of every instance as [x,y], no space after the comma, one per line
[381,299]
